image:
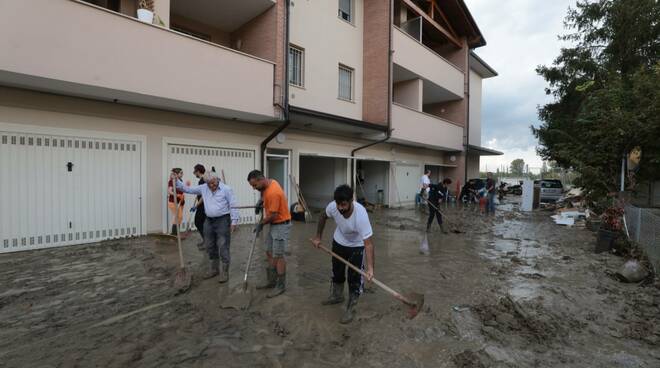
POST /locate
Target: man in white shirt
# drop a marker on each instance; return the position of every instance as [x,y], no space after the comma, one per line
[424,187]
[221,220]
[351,240]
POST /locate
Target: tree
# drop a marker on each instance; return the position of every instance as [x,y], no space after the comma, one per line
[517,167]
[606,100]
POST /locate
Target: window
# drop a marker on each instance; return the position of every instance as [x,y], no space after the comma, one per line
[296,66]
[346,10]
[345,83]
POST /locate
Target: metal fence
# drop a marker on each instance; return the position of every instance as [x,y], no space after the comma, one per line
[644,228]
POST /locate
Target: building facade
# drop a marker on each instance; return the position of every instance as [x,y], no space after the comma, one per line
[97,106]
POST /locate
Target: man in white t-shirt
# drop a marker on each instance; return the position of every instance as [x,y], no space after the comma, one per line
[351,240]
[424,187]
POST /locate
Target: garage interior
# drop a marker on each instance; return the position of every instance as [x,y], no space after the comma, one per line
[372,182]
[319,176]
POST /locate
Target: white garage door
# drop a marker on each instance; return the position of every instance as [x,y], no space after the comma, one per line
[60,190]
[235,163]
[407,181]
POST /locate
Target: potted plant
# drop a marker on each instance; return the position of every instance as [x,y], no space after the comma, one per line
[145,11]
[611,226]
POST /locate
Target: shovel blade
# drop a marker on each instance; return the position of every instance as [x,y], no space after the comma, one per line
[415,302]
[239,300]
[182,280]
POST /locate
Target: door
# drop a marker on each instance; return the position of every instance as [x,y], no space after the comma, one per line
[61,189]
[233,165]
[278,168]
[407,179]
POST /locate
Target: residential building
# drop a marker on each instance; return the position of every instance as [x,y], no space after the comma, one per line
[97,106]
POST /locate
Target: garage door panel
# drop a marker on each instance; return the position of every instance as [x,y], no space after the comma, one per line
[235,163]
[407,180]
[51,203]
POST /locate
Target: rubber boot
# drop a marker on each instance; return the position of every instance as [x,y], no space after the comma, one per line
[349,314]
[201,246]
[213,271]
[174,229]
[280,286]
[271,278]
[336,294]
[224,273]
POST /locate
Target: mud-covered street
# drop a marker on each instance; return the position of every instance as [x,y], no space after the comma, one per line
[515,290]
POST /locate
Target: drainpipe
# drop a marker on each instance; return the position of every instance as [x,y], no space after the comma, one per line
[467,119]
[285,108]
[389,101]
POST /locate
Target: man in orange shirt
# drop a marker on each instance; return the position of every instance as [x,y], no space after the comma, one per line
[276,213]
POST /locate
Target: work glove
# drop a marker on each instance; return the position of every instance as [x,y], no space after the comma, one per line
[258,228]
[193,209]
[258,207]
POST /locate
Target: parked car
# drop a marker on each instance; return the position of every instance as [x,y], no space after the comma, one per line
[551,189]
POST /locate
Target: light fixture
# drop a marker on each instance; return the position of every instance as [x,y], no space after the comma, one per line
[452,158]
[280,138]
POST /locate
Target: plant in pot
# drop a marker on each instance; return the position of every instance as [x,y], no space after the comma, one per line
[611,226]
[145,11]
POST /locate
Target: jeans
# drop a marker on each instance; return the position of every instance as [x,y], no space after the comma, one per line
[217,237]
[433,212]
[490,206]
[355,256]
[200,218]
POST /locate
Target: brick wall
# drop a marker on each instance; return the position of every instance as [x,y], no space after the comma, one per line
[375,102]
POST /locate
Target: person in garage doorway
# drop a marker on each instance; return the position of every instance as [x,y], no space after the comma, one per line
[351,240]
[200,216]
[176,213]
[221,220]
[277,215]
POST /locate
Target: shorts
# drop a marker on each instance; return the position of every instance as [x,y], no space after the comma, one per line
[277,239]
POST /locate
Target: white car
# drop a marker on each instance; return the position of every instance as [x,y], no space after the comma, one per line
[551,189]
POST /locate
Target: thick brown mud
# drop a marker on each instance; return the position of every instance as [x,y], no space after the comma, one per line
[514,290]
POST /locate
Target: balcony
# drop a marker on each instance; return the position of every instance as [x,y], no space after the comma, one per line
[413,127]
[443,81]
[73,48]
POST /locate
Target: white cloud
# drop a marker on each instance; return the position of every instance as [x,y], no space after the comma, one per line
[521,34]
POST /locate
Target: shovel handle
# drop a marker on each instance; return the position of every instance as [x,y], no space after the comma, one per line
[375,281]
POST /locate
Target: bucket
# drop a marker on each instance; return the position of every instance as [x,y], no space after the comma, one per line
[605,240]
[145,15]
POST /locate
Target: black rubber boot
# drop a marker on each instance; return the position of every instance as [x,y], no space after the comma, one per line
[280,286]
[336,294]
[214,269]
[224,273]
[174,229]
[271,278]
[349,314]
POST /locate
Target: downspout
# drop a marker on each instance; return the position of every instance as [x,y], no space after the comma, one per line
[388,134]
[285,108]
[467,119]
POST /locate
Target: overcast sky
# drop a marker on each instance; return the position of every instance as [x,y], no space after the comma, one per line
[521,34]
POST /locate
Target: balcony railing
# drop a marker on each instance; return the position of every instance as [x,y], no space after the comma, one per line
[74,48]
[421,129]
[424,63]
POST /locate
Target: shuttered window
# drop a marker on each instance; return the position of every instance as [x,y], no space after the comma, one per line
[346,10]
[296,66]
[345,83]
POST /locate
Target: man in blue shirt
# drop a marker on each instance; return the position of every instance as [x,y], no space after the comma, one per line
[221,220]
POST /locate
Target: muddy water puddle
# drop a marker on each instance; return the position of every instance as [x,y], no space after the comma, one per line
[500,294]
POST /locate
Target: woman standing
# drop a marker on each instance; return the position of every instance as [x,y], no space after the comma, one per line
[175,214]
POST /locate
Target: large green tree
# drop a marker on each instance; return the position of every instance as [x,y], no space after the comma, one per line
[605,89]
[517,167]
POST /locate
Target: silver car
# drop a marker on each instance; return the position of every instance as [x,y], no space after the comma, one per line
[551,189]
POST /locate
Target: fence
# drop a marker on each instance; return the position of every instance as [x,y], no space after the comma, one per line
[644,228]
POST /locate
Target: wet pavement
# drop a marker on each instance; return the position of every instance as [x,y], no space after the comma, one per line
[513,290]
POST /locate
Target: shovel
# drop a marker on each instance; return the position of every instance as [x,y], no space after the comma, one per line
[241,298]
[454,228]
[183,278]
[413,301]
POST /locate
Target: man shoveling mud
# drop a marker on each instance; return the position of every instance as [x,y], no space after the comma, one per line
[351,239]
[221,221]
[276,213]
